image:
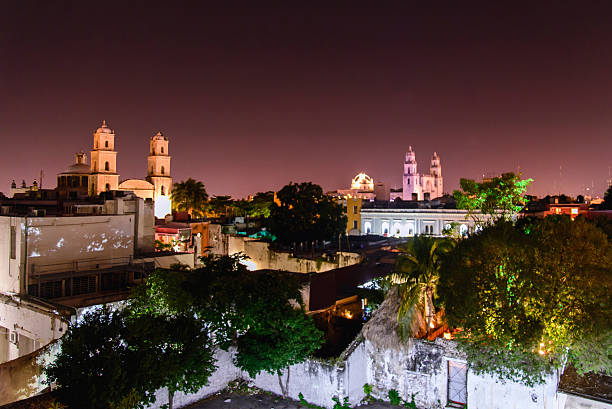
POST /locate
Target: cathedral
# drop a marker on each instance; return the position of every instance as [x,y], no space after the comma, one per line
[417,186]
[81,180]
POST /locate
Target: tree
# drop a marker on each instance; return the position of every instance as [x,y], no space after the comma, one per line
[416,276]
[95,367]
[221,206]
[607,203]
[261,313]
[500,197]
[190,196]
[525,294]
[119,359]
[305,214]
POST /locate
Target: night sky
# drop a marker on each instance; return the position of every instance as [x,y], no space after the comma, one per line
[256,95]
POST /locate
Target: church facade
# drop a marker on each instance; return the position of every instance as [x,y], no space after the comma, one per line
[420,186]
[81,180]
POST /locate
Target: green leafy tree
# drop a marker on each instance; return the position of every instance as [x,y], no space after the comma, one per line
[261,313]
[190,196]
[119,359]
[500,197]
[221,206]
[96,368]
[525,294]
[416,277]
[305,214]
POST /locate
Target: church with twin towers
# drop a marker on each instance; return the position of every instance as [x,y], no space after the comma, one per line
[102,174]
[421,186]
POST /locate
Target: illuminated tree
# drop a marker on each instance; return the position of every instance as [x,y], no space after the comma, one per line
[500,197]
[305,214]
[221,206]
[525,294]
[416,276]
[190,196]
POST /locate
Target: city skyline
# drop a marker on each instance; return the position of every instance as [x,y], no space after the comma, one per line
[252,99]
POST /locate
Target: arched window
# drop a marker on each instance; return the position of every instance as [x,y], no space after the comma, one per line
[162,149]
[463,230]
[397,230]
[367,226]
[107,187]
[163,192]
[106,144]
[162,170]
[106,166]
[385,229]
[95,166]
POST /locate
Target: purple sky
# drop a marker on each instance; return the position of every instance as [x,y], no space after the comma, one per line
[254,97]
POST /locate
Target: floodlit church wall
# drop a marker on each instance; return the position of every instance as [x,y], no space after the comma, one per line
[411,222]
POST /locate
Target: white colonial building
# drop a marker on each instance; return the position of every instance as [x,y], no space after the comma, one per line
[393,221]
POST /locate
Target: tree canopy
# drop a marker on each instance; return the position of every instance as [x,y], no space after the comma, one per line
[118,359]
[305,214]
[607,203]
[261,313]
[525,294]
[499,197]
[190,196]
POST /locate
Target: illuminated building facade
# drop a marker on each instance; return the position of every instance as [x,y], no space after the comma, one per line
[418,186]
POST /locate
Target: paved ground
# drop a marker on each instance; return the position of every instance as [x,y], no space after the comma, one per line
[261,401]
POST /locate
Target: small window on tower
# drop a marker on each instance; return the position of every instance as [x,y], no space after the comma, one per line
[162,149]
[107,187]
[162,170]
[106,144]
[106,166]
[163,192]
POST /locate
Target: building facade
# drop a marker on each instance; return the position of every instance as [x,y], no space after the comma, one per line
[420,186]
[398,222]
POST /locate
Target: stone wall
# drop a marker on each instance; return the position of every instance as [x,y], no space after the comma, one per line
[262,257]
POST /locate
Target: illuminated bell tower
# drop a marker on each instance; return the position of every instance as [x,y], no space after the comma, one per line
[435,170]
[411,177]
[104,176]
[158,173]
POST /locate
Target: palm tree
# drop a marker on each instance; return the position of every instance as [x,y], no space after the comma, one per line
[415,277]
[190,196]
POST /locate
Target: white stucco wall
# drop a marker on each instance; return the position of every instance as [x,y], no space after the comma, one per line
[10,269]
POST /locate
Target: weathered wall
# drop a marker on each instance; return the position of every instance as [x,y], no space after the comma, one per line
[10,269]
[31,327]
[262,257]
[58,244]
[577,402]
[225,373]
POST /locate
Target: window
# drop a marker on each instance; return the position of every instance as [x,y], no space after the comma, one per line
[354,224]
[13,243]
[107,187]
[162,149]
[408,181]
[163,192]
[354,209]
[162,170]
[385,228]
[427,195]
[415,196]
[106,166]
[463,230]
[457,384]
[367,226]
[106,144]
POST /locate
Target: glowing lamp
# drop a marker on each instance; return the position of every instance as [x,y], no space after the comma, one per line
[447,335]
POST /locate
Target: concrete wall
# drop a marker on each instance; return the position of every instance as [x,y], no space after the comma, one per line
[57,244]
[262,257]
[578,402]
[11,269]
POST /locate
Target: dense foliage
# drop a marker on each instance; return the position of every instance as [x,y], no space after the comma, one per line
[526,294]
[499,197]
[190,196]
[607,203]
[262,313]
[118,360]
[305,214]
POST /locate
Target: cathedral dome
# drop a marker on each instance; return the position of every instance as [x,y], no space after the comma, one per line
[77,169]
[362,182]
[104,128]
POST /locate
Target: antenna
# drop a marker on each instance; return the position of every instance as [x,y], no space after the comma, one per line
[41,179]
